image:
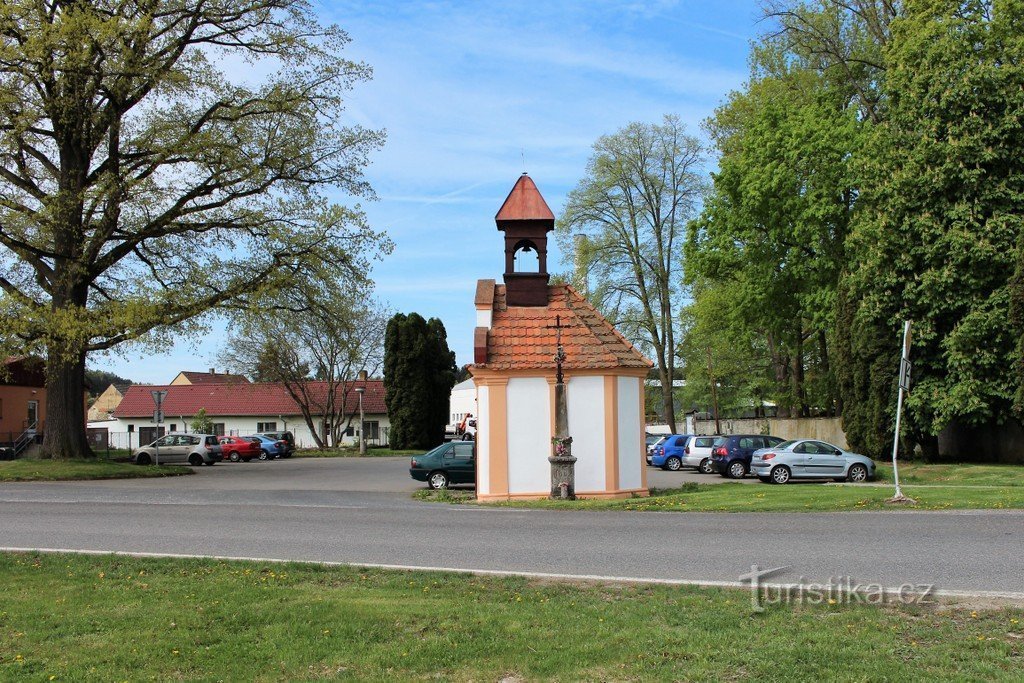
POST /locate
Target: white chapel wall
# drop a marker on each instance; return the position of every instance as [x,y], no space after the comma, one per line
[630,433]
[483,442]
[586,425]
[529,435]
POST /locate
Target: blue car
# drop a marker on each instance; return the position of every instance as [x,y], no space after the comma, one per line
[269,448]
[668,454]
[731,455]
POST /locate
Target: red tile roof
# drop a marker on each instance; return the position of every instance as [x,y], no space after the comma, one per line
[259,399]
[213,377]
[524,203]
[521,336]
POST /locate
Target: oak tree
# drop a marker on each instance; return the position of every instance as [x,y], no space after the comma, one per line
[161,159]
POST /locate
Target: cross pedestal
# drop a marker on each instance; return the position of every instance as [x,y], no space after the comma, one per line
[563,464]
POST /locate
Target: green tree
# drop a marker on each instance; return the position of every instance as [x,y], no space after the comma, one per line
[769,244]
[641,187]
[941,220]
[419,373]
[201,423]
[145,180]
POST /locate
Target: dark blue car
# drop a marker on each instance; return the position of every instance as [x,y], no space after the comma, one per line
[731,455]
[668,455]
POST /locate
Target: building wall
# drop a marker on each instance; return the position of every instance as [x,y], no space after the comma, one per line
[587,428]
[105,403]
[240,426]
[462,401]
[529,434]
[630,433]
[14,408]
[828,429]
[483,442]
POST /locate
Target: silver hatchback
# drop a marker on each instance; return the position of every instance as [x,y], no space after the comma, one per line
[195,449]
[810,459]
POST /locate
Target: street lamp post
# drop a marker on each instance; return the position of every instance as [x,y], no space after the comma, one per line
[362,422]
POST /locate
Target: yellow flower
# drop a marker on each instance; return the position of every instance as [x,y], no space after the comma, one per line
[831,601]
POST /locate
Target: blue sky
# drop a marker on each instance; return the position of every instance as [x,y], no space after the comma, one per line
[465,90]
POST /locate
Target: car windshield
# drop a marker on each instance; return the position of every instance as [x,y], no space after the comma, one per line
[661,441]
[784,445]
[436,450]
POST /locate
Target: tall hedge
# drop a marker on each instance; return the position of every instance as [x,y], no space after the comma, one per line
[419,373]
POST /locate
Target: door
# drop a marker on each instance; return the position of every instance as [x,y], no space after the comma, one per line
[32,421]
[462,469]
[819,460]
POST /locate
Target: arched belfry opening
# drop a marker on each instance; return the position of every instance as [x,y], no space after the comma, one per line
[526,221]
[525,257]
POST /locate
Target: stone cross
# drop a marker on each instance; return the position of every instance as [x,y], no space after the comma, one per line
[563,470]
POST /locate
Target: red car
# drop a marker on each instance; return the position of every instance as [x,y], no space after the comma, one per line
[236,448]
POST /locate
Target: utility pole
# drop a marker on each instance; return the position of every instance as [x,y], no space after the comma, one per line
[361,377]
[714,392]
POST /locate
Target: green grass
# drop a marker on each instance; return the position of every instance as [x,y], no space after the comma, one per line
[353,453]
[103,618]
[958,474]
[61,470]
[934,487]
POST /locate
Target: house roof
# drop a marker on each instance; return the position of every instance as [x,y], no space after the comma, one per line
[213,377]
[524,203]
[523,337]
[23,371]
[259,399]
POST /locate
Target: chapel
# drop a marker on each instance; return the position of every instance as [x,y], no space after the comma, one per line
[518,325]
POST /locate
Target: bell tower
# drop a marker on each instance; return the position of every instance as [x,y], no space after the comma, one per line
[526,220]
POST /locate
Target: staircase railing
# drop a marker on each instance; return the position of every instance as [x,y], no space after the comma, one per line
[22,443]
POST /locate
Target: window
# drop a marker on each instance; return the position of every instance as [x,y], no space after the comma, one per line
[174,426]
[350,431]
[372,428]
[131,428]
[704,442]
[748,442]
[218,428]
[464,450]
[266,427]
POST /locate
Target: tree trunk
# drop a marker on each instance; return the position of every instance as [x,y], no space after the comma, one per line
[64,432]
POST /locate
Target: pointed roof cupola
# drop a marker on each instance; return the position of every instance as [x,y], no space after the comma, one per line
[526,220]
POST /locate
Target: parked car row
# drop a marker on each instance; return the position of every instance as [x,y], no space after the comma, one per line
[769,458]
[209,449]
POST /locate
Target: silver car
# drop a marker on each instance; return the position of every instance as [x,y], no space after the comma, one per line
[697,453]
[810,459]
[195,449]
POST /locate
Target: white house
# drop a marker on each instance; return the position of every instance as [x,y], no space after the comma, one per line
[462,401]
[237,408]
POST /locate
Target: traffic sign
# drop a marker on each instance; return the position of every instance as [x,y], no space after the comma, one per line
[158,416]
[158,396]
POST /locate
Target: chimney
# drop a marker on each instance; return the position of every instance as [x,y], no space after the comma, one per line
[580,258]
[213,371]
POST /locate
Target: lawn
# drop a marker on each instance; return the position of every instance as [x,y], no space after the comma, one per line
[354,453]
[102,618]
[61,470]
[934,487]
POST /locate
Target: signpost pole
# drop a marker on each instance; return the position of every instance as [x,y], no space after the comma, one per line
[904,386]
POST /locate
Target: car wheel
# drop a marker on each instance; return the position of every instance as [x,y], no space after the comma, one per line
[437,480]
[737,470]
[705,466]
[673,464]
[780,474]
[264,455]
[857,473]
[233,456]
[143,459]
[195,460]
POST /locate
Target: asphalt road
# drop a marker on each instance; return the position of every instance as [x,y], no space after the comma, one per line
[359,511]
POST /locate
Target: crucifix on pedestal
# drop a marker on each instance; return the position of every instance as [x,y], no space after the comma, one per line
[563,471]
